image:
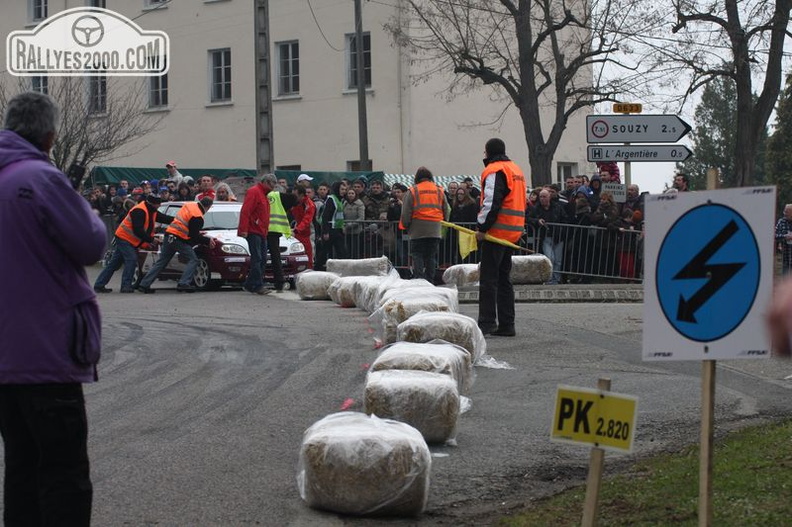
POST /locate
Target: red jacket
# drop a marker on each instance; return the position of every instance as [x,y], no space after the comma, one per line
[303,214]
[255,214]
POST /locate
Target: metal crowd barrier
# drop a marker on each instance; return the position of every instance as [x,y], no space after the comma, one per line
[584,253]
[581,254]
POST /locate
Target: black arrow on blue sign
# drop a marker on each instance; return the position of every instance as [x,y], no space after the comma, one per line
[717,274]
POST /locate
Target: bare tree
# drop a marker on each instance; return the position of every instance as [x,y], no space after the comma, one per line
[547,56]
[94,123]
[739,40]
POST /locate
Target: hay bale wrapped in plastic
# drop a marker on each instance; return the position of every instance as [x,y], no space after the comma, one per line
[455,328]
[313,285]
[353,463]
[427,401]
[367,292]
[437,356]
[400,304]
[391,284]
[531,269]
[360,267]
[461,275]
[344,291]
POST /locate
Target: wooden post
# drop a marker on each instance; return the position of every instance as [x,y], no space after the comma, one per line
[594,479]
[707,434]
[707,418]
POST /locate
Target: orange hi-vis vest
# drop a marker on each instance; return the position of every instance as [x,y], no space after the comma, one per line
[181,224]
[125,231]
[510,222]
[427,202]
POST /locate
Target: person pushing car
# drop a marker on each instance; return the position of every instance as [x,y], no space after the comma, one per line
[183,232]
[135,231]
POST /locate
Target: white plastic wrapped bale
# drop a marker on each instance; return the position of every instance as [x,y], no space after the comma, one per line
[343,291]
[437,356]
[353,463]
[367,291]
[360,267]
[313,285]
[531,269]
[399,305]
[455,328]
[427,401]
[461,275]
[393,285]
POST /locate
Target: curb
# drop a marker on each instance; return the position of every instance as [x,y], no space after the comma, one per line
[565,293]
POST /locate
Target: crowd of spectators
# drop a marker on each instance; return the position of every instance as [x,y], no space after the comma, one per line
[558,221]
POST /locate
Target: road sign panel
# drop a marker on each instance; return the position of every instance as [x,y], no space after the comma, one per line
[708,274]
[594,417]
[635,128]
[642,153]
[627,107]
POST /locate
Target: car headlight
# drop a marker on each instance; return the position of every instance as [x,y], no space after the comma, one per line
[233,248]
[296,247]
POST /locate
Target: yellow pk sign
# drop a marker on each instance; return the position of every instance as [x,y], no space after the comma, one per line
[594,417]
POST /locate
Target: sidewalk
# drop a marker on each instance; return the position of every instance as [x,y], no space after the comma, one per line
[566,293]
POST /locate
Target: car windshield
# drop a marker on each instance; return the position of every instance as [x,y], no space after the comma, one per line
[221,220]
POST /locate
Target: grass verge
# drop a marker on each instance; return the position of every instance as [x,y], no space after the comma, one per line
[752,485]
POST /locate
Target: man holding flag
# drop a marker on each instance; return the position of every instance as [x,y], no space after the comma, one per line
[502,216]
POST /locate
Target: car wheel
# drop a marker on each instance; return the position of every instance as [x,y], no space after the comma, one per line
[202,277]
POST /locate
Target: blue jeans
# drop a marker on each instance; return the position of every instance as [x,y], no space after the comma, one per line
[554,251]
[173,244]
[124,252]
[257,245]
[424,257]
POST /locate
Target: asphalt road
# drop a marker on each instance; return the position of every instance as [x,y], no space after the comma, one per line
[198,416]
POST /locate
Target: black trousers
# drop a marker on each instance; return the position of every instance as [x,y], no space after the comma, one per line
[273,245]
[496,292]
[47,473]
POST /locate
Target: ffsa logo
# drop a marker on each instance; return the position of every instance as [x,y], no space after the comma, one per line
[87,41]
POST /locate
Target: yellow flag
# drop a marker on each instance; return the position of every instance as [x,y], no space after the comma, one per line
[467,244]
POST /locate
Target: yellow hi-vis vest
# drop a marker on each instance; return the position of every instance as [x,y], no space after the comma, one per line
[279,221]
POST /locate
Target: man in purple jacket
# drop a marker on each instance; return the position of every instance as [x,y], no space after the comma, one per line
[50,328]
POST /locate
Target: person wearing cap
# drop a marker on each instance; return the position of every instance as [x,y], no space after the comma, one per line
[136,231]
[254,219]
[183,232]
[173,172]
[304,180]
[424,207]
[502,215]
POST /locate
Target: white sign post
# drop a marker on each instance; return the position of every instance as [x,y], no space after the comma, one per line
[708,274]
[708,277]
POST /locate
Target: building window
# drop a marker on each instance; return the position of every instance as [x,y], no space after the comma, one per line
[288,68]
[220,74]
[352,78]
[97,3]
[158,91]
[289,167]
[565,170]
[40,84]
[97,94]
[37,9]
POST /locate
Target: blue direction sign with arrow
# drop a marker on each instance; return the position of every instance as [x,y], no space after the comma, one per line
[708,272]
